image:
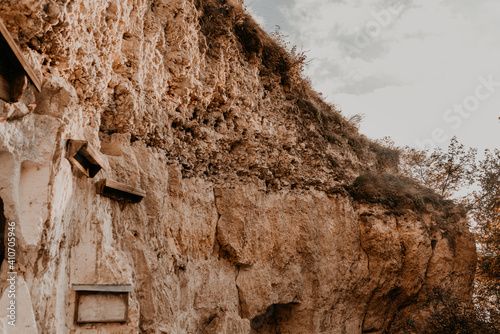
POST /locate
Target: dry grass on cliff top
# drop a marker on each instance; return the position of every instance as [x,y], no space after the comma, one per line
[222,22]
[399,193]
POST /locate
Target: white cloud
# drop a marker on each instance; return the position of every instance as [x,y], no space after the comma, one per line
[260,19]
[421,61]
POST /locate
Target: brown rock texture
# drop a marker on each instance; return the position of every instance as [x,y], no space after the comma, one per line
[254,219]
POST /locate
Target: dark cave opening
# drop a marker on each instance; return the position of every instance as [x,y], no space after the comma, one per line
[273,320]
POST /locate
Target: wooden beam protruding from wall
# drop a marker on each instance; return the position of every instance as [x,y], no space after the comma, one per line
[14,69]
[84,157]
[119,191]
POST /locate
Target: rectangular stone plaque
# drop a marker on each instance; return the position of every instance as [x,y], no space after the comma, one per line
[101,303]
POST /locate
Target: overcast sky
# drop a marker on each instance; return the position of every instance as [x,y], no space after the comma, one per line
[422,71]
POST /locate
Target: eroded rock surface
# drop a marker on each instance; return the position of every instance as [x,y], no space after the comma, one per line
[247,225]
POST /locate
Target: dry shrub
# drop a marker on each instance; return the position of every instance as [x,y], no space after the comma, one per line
[221,20]
[216,20]
[333,125]
[358,143]
[337,129]
[386,157]
[450,315]
[395,192]
[272,51]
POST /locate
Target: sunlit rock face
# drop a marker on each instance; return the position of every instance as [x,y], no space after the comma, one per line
[248,224]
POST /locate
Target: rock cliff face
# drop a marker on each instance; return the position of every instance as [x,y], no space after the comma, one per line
[262,213]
